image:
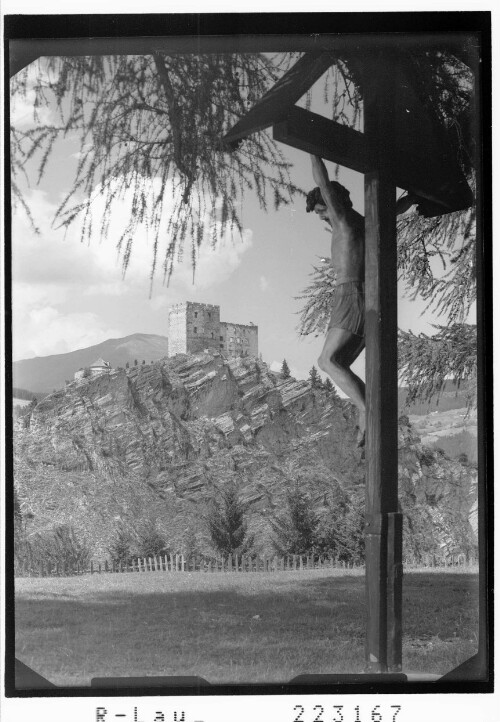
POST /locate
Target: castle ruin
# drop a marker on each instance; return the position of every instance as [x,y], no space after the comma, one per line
[194,327]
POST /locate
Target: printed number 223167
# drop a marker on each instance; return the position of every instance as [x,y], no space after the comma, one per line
[343,713]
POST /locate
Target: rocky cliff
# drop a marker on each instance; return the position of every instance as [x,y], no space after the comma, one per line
[154,441]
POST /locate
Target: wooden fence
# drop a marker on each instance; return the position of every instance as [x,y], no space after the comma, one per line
[232,563]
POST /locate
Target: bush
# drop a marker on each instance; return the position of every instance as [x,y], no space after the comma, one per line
[150,540]
[60,546]
[426,457]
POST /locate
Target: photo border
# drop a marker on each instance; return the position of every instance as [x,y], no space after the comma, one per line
[267,28]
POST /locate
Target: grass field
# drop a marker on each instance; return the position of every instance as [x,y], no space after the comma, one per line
[233,627]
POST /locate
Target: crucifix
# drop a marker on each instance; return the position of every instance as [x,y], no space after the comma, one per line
[403,146]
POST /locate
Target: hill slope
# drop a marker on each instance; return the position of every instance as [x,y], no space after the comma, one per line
[156,441]
[451,398]
[45,373]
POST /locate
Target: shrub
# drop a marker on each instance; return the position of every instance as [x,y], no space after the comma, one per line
[426,457]
[150,540]
[59,546]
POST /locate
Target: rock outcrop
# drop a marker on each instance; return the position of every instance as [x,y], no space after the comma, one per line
[155,441]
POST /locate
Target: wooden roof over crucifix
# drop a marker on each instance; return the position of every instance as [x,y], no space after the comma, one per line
[424,161]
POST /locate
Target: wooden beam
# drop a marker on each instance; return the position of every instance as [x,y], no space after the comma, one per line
[383,579]
[276,103]
[316,134]
[419,166]
[394,592]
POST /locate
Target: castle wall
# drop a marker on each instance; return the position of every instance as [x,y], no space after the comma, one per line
[240,339]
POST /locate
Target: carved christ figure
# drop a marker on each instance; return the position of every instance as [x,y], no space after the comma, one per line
[345,337]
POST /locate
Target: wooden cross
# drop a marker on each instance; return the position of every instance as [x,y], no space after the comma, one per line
[403,145]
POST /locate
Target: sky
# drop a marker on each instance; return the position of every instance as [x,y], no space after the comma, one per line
[69,295]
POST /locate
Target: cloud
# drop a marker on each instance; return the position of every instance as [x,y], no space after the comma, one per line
[46,330]
[213,264]
[56,256]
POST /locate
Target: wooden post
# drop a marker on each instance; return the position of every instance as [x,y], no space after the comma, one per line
[383,522]
[91,567]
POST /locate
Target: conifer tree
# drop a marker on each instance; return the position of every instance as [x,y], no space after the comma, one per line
[226,523]
[285,370]
[340,530]
[327,385]
[315,378]
[295,531]
[120,548]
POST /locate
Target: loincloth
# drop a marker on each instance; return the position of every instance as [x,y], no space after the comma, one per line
[348,308]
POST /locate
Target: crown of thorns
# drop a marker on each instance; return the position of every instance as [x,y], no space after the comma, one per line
[314,197]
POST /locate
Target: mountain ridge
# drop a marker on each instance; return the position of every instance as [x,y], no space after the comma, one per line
[43,374]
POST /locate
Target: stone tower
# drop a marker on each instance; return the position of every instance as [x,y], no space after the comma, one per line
[193,327]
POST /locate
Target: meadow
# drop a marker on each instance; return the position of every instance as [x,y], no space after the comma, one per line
[233,628]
